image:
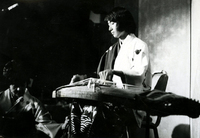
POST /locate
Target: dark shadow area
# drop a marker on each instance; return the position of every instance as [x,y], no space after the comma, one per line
[181,131]
[59,109]
[55,39]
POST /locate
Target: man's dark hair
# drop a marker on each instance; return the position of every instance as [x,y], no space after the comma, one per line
[123,18]
[15,73]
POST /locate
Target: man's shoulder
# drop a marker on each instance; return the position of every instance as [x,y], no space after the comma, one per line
[140,41]
[140,44]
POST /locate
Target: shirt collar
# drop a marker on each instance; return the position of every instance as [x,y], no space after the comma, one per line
[127,39]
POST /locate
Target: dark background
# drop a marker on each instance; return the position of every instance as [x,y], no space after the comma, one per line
[55,39]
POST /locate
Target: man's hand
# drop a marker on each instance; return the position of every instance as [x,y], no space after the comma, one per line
[77,77]
[106,75]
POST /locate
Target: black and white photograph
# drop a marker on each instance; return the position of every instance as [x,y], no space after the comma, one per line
[99,69]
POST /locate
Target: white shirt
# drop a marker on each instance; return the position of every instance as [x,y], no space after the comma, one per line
[133,61]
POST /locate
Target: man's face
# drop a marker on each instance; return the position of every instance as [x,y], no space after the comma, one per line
[112,27]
